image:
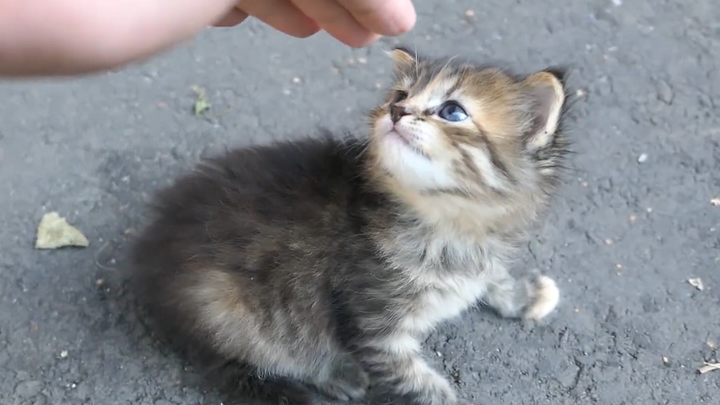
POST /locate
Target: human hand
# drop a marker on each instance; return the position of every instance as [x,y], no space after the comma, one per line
[96,36]
[354,22]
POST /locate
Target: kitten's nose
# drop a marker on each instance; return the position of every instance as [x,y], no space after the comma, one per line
[397,112]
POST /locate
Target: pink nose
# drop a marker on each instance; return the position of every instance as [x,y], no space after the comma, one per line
[397,112]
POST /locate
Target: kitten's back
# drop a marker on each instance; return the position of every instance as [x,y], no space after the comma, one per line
[262,180]
[234,242]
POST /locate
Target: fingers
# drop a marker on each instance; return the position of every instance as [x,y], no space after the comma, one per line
[356,23]
[337,21]
[231,19]
[281,15]
[385,17]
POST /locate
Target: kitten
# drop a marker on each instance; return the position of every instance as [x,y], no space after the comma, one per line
[324,261]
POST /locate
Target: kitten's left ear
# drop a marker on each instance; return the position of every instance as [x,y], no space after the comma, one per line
[402,58]
[548,90]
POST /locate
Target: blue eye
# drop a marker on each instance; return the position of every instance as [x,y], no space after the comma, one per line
[452,112]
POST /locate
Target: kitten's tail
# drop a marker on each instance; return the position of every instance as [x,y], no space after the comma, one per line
[242,385]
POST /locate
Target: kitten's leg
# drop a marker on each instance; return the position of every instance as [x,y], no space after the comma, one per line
[328,368]
[308,352]
[532,297]
[343,379]
[331,371]
[397,366]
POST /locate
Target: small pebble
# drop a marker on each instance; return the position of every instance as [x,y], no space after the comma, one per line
[664,92]
[470,13]
[642,158]
[63,354]
[296,80]
[697,283]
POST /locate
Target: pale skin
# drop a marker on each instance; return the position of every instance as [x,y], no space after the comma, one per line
[72,37]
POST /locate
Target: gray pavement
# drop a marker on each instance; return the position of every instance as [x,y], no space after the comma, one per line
[624,238]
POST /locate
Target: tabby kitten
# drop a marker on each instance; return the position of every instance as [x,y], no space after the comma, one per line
[324,261]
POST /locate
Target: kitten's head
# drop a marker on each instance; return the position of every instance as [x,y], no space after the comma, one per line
[453,127]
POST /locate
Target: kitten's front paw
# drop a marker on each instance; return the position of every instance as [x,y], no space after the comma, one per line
[545,296]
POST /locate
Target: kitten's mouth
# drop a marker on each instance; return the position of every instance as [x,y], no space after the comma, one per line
[408,141]
[403,138]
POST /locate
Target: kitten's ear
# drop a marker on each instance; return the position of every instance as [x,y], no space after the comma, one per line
[402,58]
[548,90]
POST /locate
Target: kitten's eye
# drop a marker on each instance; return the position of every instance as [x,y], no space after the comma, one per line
[400,96]
[452,112]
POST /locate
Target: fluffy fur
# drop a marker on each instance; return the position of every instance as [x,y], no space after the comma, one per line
[325,261]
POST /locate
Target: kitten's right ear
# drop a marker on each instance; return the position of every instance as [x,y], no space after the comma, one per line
[402,58]
[548,91]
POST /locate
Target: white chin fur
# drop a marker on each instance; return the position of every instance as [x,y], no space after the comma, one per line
[408,166]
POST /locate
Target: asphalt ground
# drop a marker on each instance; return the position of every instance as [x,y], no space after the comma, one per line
[634,221]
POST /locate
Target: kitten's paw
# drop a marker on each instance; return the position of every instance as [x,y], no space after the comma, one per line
[348,382]
[342,390]
[546,296]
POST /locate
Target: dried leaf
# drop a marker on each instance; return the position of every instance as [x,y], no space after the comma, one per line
[697,283]
[201,103]
[708,367]
[54,232]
